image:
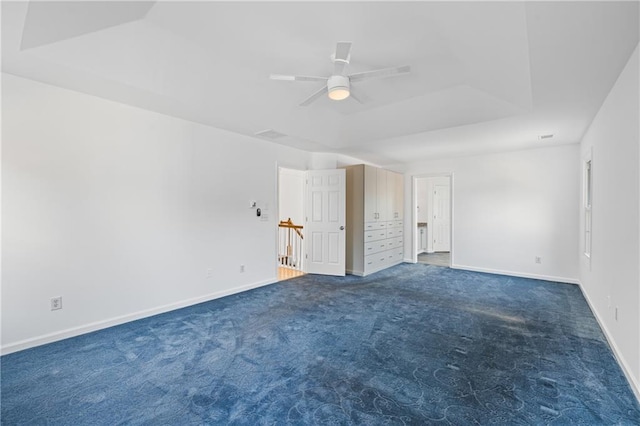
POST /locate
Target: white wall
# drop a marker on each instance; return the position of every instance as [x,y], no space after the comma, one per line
[613,270]
[122,211]
[508,209]
[291,195]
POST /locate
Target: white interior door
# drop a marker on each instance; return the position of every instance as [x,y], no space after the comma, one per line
[325,222]
[441,218]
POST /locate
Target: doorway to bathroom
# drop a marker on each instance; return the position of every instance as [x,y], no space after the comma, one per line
[432,228]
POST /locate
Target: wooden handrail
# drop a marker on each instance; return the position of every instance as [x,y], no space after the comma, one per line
[289,224]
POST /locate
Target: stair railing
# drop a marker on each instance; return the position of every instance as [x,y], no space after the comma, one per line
[290,245]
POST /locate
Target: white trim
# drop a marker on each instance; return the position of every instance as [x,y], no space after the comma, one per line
[414,220]
[277,230]
[633,382]
[518,274]
[99,325]
[451,216]
[586,251]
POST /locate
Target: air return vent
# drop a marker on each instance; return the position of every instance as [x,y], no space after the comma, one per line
[543,137]
[270,134]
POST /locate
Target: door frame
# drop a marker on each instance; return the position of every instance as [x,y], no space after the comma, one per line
[414,213]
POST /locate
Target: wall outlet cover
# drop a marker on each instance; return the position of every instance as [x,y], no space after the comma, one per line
[56,303]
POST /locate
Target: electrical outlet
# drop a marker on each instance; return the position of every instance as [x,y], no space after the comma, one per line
[241,268]
[209,273]
[56,303]
[616,313]
[538,259]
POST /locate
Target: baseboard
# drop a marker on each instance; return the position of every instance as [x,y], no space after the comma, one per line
[99,325]
[633,382]
[407,260]
[518,274]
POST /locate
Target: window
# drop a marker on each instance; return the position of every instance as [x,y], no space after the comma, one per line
[588,191]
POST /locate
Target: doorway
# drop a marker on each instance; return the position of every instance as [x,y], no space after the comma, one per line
[291,254]
[433,212]
[311,222]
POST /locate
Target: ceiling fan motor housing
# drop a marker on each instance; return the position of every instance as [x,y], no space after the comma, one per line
[338,87]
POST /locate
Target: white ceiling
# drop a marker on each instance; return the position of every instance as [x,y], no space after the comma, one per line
[486,76]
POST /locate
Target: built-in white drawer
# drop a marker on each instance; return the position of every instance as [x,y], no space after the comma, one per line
[396,242]
[392,232]
[395,256]
[375,247]
[374,261]
[372,226]
[375,235]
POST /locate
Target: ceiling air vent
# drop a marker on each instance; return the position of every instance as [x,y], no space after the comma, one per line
[543,137]
[270,134]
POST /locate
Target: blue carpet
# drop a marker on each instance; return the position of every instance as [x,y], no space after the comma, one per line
[415,344]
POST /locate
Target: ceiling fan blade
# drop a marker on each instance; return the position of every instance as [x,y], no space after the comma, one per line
[385,72]
[314,96]
[358,96]
[341,57]
[297,77]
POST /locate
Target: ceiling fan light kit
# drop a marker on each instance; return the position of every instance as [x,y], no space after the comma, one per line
[338,85]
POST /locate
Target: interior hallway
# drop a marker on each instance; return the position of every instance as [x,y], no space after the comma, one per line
[288,273]
[438,259]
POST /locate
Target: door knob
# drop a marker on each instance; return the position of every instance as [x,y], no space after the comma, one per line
[342,228]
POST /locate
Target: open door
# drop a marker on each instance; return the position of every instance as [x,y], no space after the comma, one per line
[441,218]
[325,222]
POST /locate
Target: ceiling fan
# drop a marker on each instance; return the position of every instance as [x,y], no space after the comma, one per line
[338,85]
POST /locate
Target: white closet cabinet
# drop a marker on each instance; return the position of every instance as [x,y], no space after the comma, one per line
[395,196]
[375,194]
[374,237]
